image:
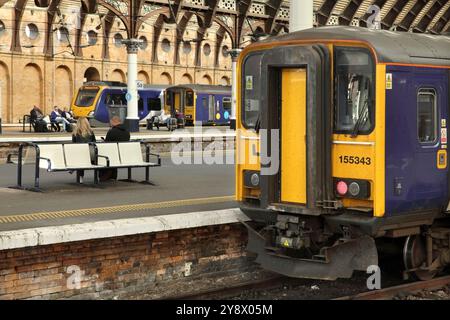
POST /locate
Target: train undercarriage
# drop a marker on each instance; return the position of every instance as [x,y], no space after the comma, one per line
[332,247]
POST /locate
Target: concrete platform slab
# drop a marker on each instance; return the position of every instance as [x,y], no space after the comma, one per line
[115,228]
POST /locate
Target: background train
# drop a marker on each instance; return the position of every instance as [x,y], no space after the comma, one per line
[93,98]
[358,123]
[200,103]
[206,104]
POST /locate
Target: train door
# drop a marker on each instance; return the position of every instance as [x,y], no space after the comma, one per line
[211,107]
[178,101]
[293,136]
[431,137]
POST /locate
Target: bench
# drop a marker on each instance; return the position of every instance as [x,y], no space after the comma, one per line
[71,157]
[126,155]
[26,119]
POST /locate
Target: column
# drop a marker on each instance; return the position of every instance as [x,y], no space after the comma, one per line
[132,120]
[301,15]
[234,53]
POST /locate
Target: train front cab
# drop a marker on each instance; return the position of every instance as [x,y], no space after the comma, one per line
[334,190]
[86,99]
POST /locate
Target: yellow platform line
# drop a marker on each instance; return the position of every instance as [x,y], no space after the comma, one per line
[110,210]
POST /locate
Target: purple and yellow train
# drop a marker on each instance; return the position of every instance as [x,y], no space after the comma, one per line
[362,118]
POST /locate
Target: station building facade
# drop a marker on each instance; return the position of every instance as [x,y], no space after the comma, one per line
[30,77]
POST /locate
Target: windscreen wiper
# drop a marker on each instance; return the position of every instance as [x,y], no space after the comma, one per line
[361,119]
[258,123]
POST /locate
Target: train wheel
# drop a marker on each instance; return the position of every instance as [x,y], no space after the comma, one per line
[415,256]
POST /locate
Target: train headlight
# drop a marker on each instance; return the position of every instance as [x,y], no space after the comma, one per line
[254,179]
[251,179]
[341,188]
[354,189]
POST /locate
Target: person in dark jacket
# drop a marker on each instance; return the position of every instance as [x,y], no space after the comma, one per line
[117,133]
[83,134]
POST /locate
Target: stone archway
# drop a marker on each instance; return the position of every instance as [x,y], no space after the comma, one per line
[143,76]
[5,111]
[206,79]
[118,75]
[63,87]
[224,81]
[91,74]
[30,81]
[165,78]
[186,79]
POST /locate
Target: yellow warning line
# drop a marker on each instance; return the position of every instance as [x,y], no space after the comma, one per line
[110,210]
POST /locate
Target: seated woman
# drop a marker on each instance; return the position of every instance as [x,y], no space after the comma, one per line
[83,134]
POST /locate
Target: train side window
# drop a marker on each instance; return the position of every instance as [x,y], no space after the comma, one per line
[189,98]
[154,104]
[226,103]
[354,91]
[115,99]
[141,105]
[205,103]
[427,117]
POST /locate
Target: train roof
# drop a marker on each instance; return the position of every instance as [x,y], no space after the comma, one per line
[390,46]
[203,88]
[121,85]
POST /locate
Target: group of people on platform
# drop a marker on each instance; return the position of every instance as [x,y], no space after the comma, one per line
[82,133]
[56,119]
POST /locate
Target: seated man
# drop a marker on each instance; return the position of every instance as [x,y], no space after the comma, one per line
[37,120]
[66,114]
[117,133]
[56,117]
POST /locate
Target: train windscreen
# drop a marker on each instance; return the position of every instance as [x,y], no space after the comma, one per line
[354,79]
[251,90]
[86,97]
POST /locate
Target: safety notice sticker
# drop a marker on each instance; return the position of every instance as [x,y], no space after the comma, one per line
[249,82]
[388,81]
[443,135]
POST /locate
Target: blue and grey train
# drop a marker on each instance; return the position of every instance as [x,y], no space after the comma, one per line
[93,99]
[204,104]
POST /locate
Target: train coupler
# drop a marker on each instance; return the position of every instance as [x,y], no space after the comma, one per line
[339,260]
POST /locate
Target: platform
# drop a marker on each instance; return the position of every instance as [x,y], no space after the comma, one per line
[178,189]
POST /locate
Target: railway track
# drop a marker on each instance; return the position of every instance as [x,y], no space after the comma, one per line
[408,288]
[264,284]
[276,282]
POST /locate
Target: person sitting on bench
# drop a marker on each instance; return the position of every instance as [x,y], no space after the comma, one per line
[37,119]
[56,117]
[117,133]
[83,133]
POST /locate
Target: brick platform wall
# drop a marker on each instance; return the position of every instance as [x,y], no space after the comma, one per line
[150,266]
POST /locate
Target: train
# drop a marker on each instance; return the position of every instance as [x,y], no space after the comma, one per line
[205,104]
[197,103]
[94,97]
[342,148]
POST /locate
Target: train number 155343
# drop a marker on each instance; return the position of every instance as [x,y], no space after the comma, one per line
[355,160]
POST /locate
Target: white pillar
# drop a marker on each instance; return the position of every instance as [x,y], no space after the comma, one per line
[234,58]
[301,15]
[132,120]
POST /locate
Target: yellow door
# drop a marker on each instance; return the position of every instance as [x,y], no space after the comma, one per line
[178,102]
[293,136]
